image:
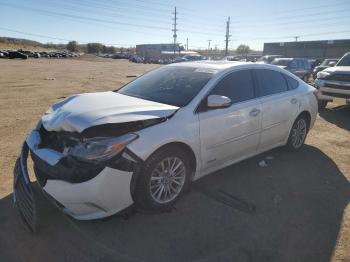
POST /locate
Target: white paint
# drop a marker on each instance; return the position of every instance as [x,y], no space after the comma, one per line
[104,195]
[82,111]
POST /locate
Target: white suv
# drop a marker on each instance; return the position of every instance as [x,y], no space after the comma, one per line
[97,153]
[334,82]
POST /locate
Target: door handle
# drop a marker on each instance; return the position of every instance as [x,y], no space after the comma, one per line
[294,100]
[254,112]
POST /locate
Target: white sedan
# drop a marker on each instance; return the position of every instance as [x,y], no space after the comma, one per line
[95,154]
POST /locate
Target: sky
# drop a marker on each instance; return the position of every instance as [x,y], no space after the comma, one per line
[130,22]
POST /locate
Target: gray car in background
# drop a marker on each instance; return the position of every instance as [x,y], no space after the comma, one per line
[298,66]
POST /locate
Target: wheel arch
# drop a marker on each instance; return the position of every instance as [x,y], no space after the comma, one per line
[187,149]
[307,115]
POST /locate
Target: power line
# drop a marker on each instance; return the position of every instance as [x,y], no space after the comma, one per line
[299,36]
[55,38]
[85,18]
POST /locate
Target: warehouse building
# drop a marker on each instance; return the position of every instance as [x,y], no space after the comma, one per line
[155,50]
[309,49]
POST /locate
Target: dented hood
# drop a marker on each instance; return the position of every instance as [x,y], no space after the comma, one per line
[77,113]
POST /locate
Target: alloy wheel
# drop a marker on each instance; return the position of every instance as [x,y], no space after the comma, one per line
[167,179]
[299,133]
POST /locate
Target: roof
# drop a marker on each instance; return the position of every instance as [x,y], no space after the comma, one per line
[221,65]
[211,64]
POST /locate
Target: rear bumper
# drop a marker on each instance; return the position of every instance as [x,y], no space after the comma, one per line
[106,193]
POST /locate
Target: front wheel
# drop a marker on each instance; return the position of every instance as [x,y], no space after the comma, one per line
[164,178]
[298,134]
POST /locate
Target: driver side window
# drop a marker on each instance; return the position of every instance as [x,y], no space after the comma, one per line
[238,86]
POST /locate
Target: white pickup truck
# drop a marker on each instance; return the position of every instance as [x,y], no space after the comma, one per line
[334,82]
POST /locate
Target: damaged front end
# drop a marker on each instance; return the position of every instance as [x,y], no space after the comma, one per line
[80,155]
[89,175]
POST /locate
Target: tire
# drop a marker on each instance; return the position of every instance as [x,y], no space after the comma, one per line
[148,193]
[322,104]
[298,134]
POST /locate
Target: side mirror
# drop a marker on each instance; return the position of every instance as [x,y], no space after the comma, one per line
[332,64]
[217,101]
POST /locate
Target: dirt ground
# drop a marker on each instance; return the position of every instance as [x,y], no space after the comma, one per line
[295,209]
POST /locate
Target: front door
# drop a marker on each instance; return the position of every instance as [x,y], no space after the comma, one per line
[230,134]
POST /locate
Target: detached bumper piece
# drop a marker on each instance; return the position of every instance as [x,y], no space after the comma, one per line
[23,196]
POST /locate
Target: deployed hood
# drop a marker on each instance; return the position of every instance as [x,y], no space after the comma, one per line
[338,69]
[77,113]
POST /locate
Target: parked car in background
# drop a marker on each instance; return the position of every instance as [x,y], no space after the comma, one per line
[297,66]
[325,64]
[5,54]
[314,63]
[192,58]
[334,82]
[15,54]
[97,153]
[267,59]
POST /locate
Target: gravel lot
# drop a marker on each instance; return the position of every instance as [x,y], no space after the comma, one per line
[295,209]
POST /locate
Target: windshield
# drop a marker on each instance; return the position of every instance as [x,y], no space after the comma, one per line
[281,62]
[345,61]
[172,85]
[327,61]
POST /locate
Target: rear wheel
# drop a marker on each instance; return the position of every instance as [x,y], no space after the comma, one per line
[164,178]
[298,133]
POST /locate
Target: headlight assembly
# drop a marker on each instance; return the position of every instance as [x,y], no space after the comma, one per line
[323,75]
[101,148]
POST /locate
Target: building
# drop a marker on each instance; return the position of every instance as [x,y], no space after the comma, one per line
[154,51]
[309,49]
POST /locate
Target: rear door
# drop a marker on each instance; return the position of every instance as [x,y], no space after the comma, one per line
[279,107]
[232,133]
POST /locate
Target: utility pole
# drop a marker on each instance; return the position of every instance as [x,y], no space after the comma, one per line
[175,29]
[296,38]
[209,44]
[227,36]
[187,43]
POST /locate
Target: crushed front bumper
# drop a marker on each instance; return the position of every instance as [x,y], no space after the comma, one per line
[23,196]
[106,193]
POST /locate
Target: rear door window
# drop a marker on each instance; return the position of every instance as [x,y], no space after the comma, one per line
[291,82]
[270,82]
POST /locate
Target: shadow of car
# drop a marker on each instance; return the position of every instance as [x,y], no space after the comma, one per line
[339,116]
[290,210]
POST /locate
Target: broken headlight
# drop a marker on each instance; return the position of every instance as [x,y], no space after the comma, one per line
[100,149]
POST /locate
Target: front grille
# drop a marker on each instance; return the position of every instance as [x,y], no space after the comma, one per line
[329,85]
[339,77]
[22,191]
[336,95]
